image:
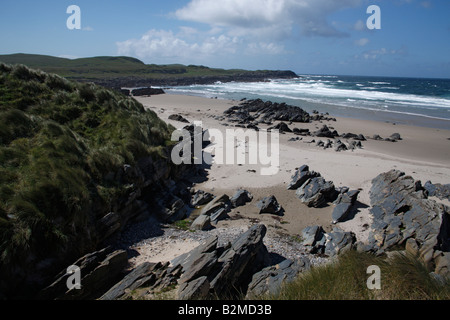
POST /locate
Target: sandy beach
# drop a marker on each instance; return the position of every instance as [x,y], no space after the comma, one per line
[423,153]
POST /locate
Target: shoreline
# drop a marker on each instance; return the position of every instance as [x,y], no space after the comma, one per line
[345,112]
[422,153]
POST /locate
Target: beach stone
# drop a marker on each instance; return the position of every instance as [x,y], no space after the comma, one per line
[442,191]
[313,237]
[340,147]
[347,197]
[302,132]
[217,209]
[377,137]
[300,176]
[270,280]
[240,198]
[269,205]
[202,222]
[246,256]
[316,192]
[341,211]
[178,117]
[325,132]
[282,127]
[201,198]
[338,241]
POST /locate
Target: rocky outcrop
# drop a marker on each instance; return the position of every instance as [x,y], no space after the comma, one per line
[240,198]
[330,244]
[98,271]
[269,205]
[148,91]
[217,209]
[344,204]
[204,272]
[441,191]
[182,80]
[402,211]
[316,192]
[301,175]
[153,276]
[178,117]
[265,112]
[325,132]
[270,280]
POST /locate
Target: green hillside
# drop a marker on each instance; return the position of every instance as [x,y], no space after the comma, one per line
[116,67]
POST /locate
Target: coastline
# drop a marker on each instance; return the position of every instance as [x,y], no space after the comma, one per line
[422,153]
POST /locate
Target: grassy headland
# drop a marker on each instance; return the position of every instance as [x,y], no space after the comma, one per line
[127,71]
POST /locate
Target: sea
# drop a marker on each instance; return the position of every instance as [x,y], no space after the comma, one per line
[413,101]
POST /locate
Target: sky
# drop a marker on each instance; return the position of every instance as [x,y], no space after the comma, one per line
[305,36]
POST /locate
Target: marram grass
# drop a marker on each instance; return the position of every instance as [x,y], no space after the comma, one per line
[403,277]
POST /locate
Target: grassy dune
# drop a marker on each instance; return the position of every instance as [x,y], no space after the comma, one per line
[59,140]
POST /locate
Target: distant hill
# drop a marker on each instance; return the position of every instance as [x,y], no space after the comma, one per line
[131,72]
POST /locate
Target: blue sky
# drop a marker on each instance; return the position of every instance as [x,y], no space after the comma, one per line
[306,36]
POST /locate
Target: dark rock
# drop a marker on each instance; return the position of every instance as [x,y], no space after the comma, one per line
[217,209]
[330,244]
[347,197]
[396,136]
[314,239]
[302,132]
[340,147]
[240,198]
[282,127]
[401,211]
[341,211]
[338,241]
[146,92]
[178,117]
[377,137]
[441,191]
[269,205]
[98,270]
[201,198]
[270,280]
[253,126]
[267,112]
[325,132]
[246,256]
[126,92]
[202,222]
[316,192]
[152,276]
[197,289]
[300,177]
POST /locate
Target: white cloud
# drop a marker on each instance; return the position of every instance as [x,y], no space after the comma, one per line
[161,44]
[360,25]
[376,54]
[236,27]
[362,42]
[258,16]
